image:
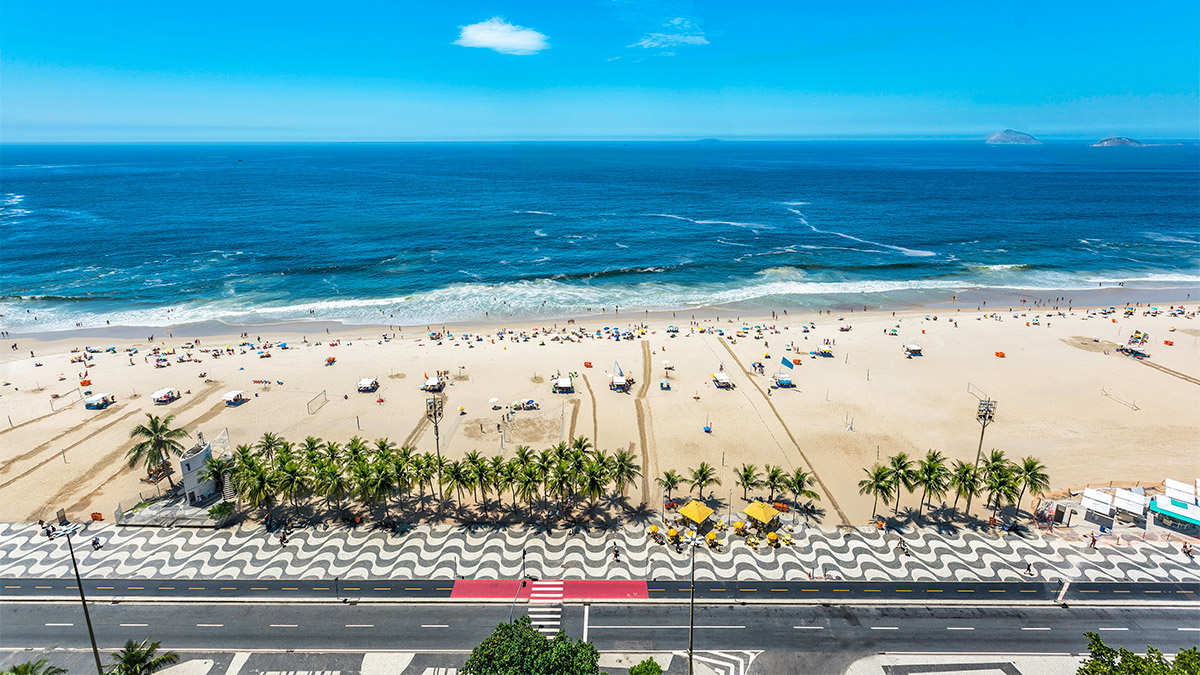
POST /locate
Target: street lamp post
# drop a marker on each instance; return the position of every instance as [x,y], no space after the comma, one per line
[433,413]
[692,540]
[86,616]
[985,416]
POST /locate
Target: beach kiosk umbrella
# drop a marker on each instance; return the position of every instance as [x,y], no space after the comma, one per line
[695,511]
[761,511]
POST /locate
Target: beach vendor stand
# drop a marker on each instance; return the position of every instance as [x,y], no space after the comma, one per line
[563,385]
[164,396]
[912,350]
[235,398]
[434,384]
[761,512]
[695,511]
[722,381]
[783,381]
[99,401]
[368,385]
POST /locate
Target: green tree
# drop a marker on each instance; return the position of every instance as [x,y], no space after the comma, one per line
[217,470]
[800,483]
[158,441]
[529,485]
[703,476]
[268,444]
[255,483]
[964,481]
[669,482]
[775,480]
[933,477]
[141,658]
[1104,660]
[517,648]
[581,443]
[292,481]
[900,468]
[39,667]
[331,483]
[1032,476]
[593,482]
[647,667]
[748,478]
[624,470]
[878,484]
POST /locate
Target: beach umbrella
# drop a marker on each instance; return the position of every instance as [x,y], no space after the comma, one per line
[493,400]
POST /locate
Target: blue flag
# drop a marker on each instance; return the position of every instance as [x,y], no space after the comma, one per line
[787,363]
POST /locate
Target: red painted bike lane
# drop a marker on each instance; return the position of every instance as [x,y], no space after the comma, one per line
[508,588]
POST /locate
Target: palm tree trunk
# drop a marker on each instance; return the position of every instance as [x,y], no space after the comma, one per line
[875,505]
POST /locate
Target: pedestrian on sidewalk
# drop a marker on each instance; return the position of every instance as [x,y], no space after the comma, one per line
[1093,544]
[1029,568]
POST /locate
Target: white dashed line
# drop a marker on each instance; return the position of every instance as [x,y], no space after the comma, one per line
[134,625]
[959,628]
[434,625]
[809,627]
[885,628]
[1114,629]
[1037,628]
[209,625]
[283,625]
[360,625]
[60,624]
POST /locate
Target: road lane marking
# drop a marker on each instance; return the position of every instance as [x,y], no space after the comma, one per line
[60,624]
[594,627]
[1120,591]
[166,588]
[904,590]
[809,627]
[410,589]
[959,628]
[965,590]
[104,588]
[43,587]
[1190,629]
[228,588]
[1114,629]
[809,590]
[289,588]
[360,625]
[383,588]
[1154,591]
[779,590]
[748,590]
[1000,591]
[195,588]
[136,588]
[871,590]
[434,625]
[12,586]
[209,625]
[447,588]
[1183,591]
[841,590]
[885,628]
[283,625]
[933,590]
[320,588]
[1089,591]
[1035,628]
[1030,591]
[350,588]
[258,588]
[133,625]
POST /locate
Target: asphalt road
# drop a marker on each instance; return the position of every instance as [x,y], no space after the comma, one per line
[749,591]
[611,627]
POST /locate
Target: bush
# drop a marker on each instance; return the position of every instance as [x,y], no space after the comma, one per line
[1104,660]
[647,667]
[518,648]
[220,511]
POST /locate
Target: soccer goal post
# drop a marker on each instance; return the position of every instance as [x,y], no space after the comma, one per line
[315,403]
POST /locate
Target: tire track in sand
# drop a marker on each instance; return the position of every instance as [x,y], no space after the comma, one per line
[574,417]
[788,431]
[26,455]
[643,415]
[595,422]
[55,455]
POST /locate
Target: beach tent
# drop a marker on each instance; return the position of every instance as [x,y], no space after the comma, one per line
[619,382]
[783,380]
[761,511]
[164,396]
[99,401]
[235,397]
[368,385]
[912,350]
[434,384]
[563,385]
[695,511]
[722,381]
[1178,510]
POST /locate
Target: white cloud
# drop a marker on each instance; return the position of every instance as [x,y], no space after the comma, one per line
[502,36]
[682,32]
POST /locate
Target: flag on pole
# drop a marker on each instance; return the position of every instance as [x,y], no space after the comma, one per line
[787,363]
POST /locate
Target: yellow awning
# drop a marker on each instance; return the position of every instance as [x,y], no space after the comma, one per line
[695,511]
[760,511]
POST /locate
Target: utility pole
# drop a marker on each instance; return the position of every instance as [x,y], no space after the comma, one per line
[693,541]
[433,413]
[985,416]
[86,616]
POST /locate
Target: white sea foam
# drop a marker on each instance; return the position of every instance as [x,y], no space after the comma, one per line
[1169,239]
[905,251]
[539,213]
[620,245]
[539,233]
[706,222]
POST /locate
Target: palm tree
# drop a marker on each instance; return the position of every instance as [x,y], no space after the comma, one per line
[529,484]
[141,658]
[256,484]
[355,448]
[501,477]
[878,483]
[775,480]
[581,443]
[383,445]
[268,444]
[544,463]
[563,479]
[624,469]
[39,667]
[158,442]
[800,483]
[523,455]
[593,482]
[284,453]
[330,482]
[901,468]
[669,481]
[455,477]
[292,481]
[748,478]
[476,467]
[932,475]
[1033,477]
[1001,486]
[216,469]
[702,477]
[964,481]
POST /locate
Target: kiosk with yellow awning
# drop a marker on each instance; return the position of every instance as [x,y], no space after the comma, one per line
[761,511]
[695,511]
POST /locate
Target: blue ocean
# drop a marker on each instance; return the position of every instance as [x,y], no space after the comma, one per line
[419,233]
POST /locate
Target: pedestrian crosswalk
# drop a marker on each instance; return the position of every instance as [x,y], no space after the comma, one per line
[545,606]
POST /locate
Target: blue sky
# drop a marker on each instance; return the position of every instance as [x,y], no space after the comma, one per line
[582,69]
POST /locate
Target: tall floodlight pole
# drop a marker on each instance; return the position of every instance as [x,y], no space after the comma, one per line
[693,541]
[433,413]
[985,416]
[86,617]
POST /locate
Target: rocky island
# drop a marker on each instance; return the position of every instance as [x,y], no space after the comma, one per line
[1010,137]
[1113,141]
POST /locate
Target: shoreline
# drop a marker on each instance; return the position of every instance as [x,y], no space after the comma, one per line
[971,299]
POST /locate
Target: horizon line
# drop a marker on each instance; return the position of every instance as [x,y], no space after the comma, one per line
[631,139]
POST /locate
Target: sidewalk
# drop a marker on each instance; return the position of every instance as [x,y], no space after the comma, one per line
[463,552]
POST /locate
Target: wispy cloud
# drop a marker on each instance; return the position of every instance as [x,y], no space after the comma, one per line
[502,36]
[677,32]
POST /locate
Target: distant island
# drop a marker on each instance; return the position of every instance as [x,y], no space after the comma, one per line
[1118,141]
[1010,137]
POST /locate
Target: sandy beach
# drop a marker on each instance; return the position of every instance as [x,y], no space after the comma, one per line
[1064,395]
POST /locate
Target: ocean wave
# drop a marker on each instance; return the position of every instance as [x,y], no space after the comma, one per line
[906,251]
[538,213]
[706,222]
[539,233]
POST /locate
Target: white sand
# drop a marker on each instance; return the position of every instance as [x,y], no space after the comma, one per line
[1049,389]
